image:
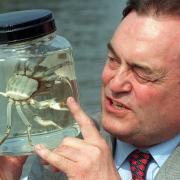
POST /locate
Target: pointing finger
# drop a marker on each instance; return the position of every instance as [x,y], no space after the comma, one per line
[87,126]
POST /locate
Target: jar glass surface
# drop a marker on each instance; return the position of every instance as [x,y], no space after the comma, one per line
[36,78]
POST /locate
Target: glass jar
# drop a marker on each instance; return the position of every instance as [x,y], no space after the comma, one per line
[37,75]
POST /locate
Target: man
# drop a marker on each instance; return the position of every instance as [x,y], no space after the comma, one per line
[140,104]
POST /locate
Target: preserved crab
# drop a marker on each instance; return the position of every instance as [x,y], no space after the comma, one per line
[28,81]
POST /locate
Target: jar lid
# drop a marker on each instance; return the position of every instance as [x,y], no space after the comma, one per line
[25,25]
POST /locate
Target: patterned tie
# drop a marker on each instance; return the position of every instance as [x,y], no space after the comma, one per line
[138,163]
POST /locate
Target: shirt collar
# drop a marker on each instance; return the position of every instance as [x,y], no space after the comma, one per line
[159,152]
[122,151]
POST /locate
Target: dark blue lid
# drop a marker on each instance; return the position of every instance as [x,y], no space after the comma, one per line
[25,25]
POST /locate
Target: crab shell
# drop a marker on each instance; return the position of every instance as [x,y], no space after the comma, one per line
[21,87]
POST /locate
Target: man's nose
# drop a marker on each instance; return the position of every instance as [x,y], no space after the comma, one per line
[121,82]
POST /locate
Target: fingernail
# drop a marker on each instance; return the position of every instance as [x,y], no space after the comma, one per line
[39,147]
[71,99]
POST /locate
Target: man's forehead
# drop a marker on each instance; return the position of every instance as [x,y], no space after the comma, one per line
[147,26]
[143,32]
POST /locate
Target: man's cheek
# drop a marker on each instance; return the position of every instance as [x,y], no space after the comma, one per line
[146,96]
[106,76]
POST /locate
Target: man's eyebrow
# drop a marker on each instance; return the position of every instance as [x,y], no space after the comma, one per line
[158,72]
[109,46]
[142,67]
[136,65]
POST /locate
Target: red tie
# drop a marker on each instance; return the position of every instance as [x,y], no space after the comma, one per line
[138,163]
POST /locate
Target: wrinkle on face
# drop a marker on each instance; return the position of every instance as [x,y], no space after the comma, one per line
[148,45]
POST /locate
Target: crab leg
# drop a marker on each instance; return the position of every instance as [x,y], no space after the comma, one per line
[25,121]
[67,81]
[50,103]
[49,75]
[33,67]
[27,109]
[46,122]
[54,68]
[3,94]
[8,127]
[20,67]
[60,79]
[39,120]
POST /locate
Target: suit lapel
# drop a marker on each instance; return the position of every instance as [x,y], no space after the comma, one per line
[171,168]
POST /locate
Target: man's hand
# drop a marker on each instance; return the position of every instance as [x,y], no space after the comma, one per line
[89,159]
[11,167]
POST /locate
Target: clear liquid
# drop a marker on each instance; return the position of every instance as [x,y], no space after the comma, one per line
[33,93]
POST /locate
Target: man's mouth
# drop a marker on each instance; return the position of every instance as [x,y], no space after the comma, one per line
[117,104]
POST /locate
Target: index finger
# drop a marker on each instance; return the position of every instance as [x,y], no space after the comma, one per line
[87,126]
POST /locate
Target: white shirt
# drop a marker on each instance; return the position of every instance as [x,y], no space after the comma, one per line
[160,153]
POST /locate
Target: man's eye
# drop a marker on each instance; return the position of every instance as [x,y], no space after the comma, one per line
[113,62]
[144,78]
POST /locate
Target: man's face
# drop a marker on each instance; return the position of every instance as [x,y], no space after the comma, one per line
[141,80]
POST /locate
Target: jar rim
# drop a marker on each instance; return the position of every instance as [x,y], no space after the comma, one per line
[25,25]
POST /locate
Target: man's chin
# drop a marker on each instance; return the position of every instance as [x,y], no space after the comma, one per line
[119,129]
